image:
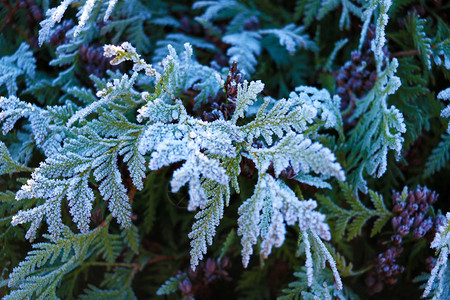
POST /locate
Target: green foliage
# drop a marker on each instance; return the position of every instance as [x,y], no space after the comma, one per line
[7,164]
[439,157]
[378,130]
[318,9]
[31,280]
[440,154]
[204,228]
[170,286]
[105,151]
[255,276]
[128,19]
[347,7]
[115,285]
[349,222]
[20,63]
[422,43]
[11,246]
[322,287]
[413,99]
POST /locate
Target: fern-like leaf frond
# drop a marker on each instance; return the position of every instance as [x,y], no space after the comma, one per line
[20,63]
[299,152]
[30,280]
[282,118]
[441,243]
[292,37]
[7,164]
[204,228]
[245,46]
[415,27]
[352,221]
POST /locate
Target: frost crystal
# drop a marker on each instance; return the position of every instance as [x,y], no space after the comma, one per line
[379,128]
[87,9]
[380,39]
[244,47]
[285,116]
[54,16]
[187,141]
[127,52]
[441,243]
[246,95]
[286,208]
[209,153]
[266,214]
[46,125]
[109,10]
[85,13]
[299,152]
[20,63]
[328,107]
[291,37]
[445,95]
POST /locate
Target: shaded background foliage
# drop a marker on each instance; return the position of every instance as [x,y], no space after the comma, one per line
[63,65]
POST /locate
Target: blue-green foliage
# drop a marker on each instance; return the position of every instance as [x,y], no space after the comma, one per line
[318,9]
[421,41]
[441,154]
[105,159]
[90,149]
[20,63]
[322,288]
[42,271]
[350,222]
[379,128]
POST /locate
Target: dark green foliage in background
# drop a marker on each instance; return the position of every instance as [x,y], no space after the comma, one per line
[285,44]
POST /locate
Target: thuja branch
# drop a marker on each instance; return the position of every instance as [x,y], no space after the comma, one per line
[137,266]
[408,52]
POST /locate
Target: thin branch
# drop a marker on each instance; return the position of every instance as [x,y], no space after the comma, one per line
[135,266]
[11,13]
[405,53]
[408,52]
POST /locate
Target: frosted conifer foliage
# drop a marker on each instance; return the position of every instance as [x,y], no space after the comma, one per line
[47,125]
[223,140]
[209,155]
[380,127]
[441,243]
[445,95]
[54,16]
[208,151]
[20,63]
